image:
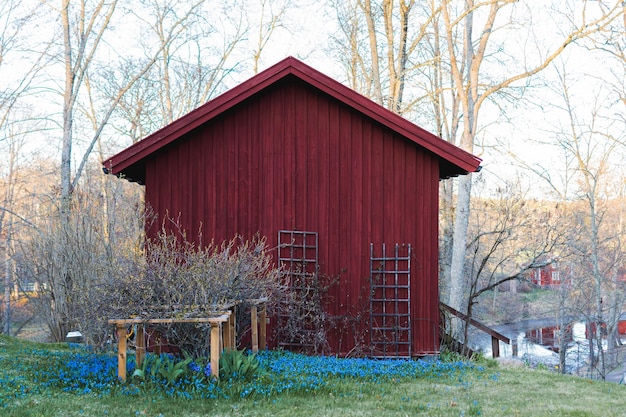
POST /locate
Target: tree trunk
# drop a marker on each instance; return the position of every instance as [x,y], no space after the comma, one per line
[68,106]
[458,283]
[371,29]
[7,283]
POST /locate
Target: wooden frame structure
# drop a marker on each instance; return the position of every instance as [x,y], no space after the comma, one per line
[223,334]
[495,336]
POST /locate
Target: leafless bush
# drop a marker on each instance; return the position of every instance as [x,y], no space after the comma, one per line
[83,285]
[183,279]
[75,262]
[303,323]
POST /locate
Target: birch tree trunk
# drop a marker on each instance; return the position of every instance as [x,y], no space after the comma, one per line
[83,29]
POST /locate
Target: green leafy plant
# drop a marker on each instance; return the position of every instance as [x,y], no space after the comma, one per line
[146,365]
[164,366]
[449,356]
[171,370]
[236,364]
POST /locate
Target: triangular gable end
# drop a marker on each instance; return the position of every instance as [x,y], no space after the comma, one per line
[453,160]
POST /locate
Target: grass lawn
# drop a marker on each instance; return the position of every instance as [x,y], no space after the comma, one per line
[42,380]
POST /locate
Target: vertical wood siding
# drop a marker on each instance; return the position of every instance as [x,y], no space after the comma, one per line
[293,158]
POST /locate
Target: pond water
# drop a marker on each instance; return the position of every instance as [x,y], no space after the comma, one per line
[539,345]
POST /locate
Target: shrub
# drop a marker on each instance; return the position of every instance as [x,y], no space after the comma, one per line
[182,279]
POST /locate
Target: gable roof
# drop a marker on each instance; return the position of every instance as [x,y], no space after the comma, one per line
[131,161]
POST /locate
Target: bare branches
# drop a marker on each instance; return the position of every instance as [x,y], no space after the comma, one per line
[511,236]
[276,19]
[186,279]
[381,43]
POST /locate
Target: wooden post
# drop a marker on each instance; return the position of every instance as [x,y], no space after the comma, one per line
[121,352]
[216,339]
[255,329]
[232,319]
[215,349]
[495,347]
[140,342]
[263,329]
[229,331]
[226,335]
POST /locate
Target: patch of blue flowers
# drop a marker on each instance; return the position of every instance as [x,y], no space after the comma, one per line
[374,370]
[76,370]
[81,371]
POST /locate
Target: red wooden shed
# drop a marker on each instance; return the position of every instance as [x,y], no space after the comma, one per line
[332,179]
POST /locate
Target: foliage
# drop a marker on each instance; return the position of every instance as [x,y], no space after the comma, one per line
[236,365]
[163,367]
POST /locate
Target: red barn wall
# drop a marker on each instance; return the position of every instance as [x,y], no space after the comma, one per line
[294,158]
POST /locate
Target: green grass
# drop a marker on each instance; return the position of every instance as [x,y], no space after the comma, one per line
[485,390]
[537,295]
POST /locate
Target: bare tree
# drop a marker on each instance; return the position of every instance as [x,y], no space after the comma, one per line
[378,45]
[271,18]
[465,44]
[84,25]
[473,91]
[592,146]
[85,42]
[72,263]
[197,56]
[509,235]
[16,121]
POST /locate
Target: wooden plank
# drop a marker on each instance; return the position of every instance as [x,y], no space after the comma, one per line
[140,342]
[219,319]
[215,349]
[121,352]
[495,347]
[255,328]
[301,174]
[478,325]
[263,328]
[344,214]
[226,335]
[257,301]
[229,331]
[232,323]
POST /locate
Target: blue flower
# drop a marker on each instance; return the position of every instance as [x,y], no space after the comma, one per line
[194,367]
[207,370]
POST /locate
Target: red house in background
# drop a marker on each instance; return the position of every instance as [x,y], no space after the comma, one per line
[328,176]
[550,276]
[549,336]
